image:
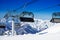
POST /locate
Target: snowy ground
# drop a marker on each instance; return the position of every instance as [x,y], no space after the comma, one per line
[52,33]
[50,36]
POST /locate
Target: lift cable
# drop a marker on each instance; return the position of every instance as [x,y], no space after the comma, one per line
[49,7]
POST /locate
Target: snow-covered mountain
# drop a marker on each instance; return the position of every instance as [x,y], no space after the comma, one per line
[50,30]
[29,27]
[34,27]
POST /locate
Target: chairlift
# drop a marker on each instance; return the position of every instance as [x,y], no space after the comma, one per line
[25,18]
[55,17]
[2,25]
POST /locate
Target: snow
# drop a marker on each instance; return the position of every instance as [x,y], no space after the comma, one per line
[53,29]
[51,33]
[3,20]
[55,36]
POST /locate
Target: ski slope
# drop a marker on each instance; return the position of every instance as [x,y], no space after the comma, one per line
[52,33]
[53,29]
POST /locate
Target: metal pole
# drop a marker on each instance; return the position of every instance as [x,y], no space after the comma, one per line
[12,28]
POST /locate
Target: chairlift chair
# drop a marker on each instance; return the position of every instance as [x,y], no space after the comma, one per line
[55,18]
[24,18]
[2,25]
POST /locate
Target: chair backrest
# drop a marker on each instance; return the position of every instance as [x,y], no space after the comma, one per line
[56,15]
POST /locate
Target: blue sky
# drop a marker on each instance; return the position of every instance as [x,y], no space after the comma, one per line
[38,7]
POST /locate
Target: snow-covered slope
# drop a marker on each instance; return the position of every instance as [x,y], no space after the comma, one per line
[55,36]
[51,33]
[53,29]
[37,26]
[39,23]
